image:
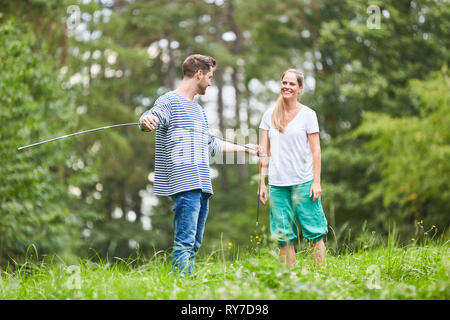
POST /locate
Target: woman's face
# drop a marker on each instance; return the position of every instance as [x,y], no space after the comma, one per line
[289,86]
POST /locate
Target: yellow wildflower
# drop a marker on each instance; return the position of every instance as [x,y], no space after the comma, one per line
[412,196]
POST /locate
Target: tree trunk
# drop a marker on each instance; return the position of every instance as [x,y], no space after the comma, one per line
[171,74]
[65,48]
[218,77]
[236,50]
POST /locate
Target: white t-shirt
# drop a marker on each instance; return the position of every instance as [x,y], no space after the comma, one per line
[291,161]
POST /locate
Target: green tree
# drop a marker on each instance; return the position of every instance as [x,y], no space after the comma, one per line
[412,156]
[367,67]
[35,181]
[367,70]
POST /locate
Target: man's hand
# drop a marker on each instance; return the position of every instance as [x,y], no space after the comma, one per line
[149,122]
[254,149]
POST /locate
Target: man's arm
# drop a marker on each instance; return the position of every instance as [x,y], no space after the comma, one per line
[160,113]
[230,147]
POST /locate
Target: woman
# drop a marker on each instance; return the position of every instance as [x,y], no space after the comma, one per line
[290,134]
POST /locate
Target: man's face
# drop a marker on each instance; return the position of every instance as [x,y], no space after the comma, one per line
[204,81]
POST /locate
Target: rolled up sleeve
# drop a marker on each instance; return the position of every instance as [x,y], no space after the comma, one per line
[214,145]
[161,110]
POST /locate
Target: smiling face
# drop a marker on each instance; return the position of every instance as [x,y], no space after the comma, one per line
[290,87]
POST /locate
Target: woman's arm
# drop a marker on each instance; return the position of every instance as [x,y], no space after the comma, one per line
[264,158]
[314,143]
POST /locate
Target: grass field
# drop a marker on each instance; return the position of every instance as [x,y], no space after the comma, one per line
[384,272]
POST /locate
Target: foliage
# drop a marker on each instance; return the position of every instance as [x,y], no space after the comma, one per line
[364,78]
[33,193]
[365,68]
[411,155]
[404,159]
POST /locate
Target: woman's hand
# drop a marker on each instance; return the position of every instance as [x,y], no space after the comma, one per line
[254,149]
[315,191]
[263,194]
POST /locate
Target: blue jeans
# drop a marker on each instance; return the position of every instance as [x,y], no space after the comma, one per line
[191,211]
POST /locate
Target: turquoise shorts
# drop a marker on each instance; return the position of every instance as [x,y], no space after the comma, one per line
[291,206]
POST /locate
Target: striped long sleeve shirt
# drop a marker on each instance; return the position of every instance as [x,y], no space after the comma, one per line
[182,152]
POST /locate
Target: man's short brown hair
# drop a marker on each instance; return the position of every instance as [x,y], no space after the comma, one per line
[197,62]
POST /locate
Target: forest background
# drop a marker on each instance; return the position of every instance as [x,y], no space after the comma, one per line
[375,73]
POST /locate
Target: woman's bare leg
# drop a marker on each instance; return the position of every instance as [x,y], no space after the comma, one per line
[287,255]
[318,253]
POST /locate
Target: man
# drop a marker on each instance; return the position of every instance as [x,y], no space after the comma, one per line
[181,157]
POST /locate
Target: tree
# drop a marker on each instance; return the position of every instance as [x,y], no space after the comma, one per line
[367,70]
[411,154]
[35,182]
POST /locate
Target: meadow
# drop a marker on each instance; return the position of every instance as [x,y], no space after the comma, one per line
[383,272]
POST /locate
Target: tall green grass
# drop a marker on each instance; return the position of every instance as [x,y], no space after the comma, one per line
[386,270]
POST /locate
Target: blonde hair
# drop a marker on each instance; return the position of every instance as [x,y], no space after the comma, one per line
[278,112]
